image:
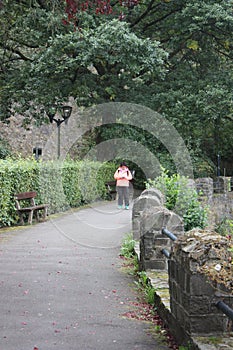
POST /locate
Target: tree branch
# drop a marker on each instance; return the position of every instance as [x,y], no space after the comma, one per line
[219,42]
[144,14]
[17,52]
[161,18]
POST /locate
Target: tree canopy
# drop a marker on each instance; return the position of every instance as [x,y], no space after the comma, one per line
[174,56]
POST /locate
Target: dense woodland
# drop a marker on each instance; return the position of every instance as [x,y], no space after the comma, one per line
[173,56]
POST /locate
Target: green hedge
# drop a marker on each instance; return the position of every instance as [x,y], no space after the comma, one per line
[60,184]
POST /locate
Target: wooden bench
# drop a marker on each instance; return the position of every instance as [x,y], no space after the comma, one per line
[111,189]
[29,197]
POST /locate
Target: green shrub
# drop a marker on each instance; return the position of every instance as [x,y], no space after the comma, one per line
[181,198]
[50,186]
[60,184]
[225,228]
[128,245]
[195,215]
[14,175]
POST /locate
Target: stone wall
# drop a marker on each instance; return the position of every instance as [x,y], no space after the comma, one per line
[199,276]
[22,139]
[199,268]
[218,196]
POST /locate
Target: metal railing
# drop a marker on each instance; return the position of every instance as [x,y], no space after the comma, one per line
[170,235]
[166,253]
[225,309]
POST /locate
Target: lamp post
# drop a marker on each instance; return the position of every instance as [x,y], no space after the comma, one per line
[218,165]
[65,114]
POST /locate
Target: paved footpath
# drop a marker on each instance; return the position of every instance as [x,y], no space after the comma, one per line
[61,286]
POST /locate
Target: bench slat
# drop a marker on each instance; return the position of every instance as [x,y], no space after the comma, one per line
[111,189]
[26,195]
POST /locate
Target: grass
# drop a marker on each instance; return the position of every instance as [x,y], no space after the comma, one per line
[128,245]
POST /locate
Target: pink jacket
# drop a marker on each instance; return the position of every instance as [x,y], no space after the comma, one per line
[123,176]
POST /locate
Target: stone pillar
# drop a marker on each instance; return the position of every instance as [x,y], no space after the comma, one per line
[152,241]
[204,188]
[154,192]
[222,184]
[148,198]
[200,275]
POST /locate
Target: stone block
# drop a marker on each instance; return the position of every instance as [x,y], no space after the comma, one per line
[204,187]
[144,202]
[222,184]
[136,228]
[158,254]
[148,242]
[154,192]
[177,295]
[175,307]
[161,242]
[200,286]
[175,224]
[206,324]
[149,254]
[153,219]
[181,277]
[172,269]
[181,315]
[203,305]
[155,264]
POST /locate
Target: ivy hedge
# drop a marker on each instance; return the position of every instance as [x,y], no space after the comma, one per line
[62,185]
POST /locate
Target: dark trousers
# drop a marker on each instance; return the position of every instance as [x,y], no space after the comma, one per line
[123,195]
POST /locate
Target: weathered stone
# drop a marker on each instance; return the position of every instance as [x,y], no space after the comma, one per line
[222,184]
[155,264]
[193,285]
[155,218]
[172,269]
[136,228]
[152,240]
[204,186]
[206,324]
[141,204]
[175,224]
[154,192]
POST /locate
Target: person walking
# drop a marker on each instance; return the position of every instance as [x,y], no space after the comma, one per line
[123,177]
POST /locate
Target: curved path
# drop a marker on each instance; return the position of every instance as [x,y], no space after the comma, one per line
[61,286]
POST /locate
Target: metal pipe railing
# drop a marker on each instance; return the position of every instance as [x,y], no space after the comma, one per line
[172,237]
[166,253]
[225,309]
[169,234]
